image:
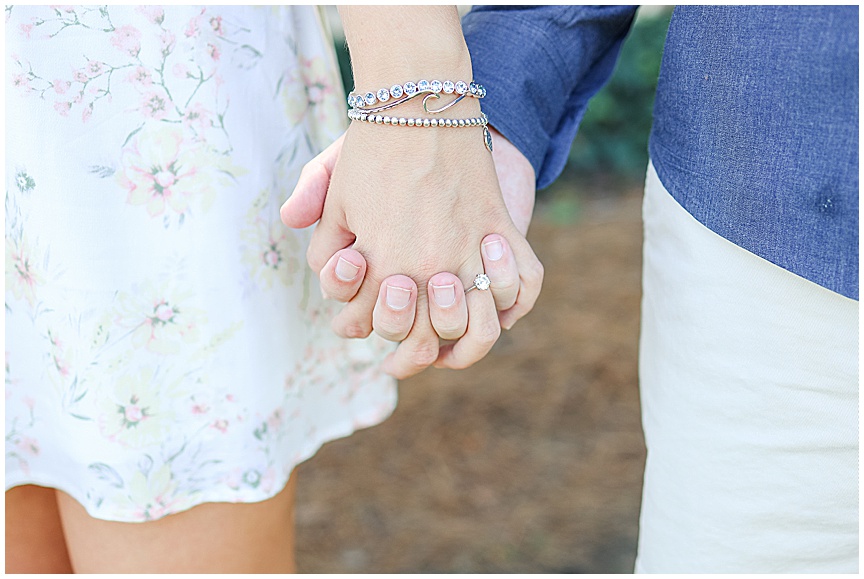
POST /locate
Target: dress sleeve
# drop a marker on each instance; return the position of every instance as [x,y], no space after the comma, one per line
[540,65]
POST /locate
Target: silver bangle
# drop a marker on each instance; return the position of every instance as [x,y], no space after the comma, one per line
[403,93]
[481,121]
[357,115]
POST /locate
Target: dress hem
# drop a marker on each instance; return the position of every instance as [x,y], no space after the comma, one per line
[212,496]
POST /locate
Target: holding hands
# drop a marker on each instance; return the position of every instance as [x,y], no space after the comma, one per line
[408,216]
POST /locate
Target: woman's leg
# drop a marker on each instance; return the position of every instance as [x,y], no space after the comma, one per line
[34,535]
[209,538]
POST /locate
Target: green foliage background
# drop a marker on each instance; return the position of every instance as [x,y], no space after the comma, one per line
[613,136]
[612,142]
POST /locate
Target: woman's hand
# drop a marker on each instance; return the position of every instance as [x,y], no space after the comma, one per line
[344,272]
[414,201]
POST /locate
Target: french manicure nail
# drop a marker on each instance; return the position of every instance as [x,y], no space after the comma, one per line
[445,295]
[494,250]
[397,297]
[345,270]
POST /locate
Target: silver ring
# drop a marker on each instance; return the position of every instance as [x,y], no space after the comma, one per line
[481,282]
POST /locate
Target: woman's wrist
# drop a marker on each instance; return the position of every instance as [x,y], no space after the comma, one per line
[396,44]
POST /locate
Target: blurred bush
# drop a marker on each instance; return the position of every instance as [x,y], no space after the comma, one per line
[613,136]
[344,63]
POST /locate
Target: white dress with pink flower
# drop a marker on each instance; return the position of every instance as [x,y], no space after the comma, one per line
[166,344]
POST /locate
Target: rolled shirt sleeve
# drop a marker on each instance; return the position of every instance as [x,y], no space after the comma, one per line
[540,65]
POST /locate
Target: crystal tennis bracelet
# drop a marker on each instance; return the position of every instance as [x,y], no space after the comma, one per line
[481,121]
[403,93]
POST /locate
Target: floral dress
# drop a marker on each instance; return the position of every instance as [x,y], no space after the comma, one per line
[166,344]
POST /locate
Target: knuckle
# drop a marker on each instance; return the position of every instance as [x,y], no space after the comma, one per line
[533,274]
[449,330]
[329,285]
[506,301]
[390,330]
[511,316]
[426,267]
[354,330]
[505,286]
[338,294]
[310,168]
[391,325]
[460,363]
[488,333]
[304,172]
[424,353]
[313,261]
[403,373]
[539,271]
[518,311]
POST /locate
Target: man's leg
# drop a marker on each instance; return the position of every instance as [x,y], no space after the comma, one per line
[749,385]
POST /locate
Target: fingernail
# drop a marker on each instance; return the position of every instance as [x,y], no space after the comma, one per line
[494,249]
[445,295]
[345,270]
[397,297]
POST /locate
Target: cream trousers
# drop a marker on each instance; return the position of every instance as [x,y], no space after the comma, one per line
[749,386]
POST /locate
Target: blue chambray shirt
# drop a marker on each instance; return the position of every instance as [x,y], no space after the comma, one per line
[755,121]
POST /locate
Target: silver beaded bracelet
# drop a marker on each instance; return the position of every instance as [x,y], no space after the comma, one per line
[403,93]
[481,121]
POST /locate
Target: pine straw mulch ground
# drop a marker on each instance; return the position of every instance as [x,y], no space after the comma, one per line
[531,460]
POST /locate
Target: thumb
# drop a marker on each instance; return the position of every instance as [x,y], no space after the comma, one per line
[306,203]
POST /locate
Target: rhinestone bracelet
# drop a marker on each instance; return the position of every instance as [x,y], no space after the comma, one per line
[481,121]
[404,93]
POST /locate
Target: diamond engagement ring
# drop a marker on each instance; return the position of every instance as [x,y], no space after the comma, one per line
[481,282]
